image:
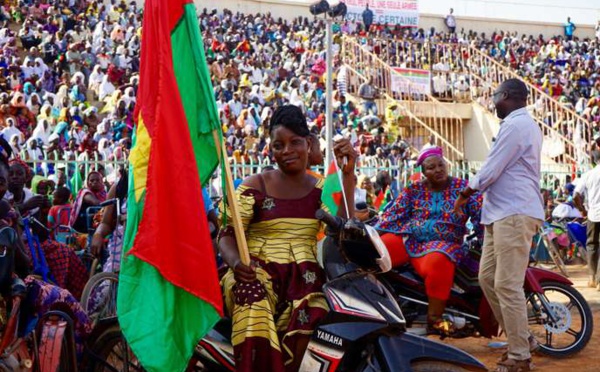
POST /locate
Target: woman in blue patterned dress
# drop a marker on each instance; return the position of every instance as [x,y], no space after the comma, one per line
[421,228]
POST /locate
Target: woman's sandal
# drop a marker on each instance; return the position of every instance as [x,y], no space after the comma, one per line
[512,365]
[442,327]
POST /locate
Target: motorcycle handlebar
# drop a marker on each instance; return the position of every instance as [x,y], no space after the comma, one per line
[333,222]
[472,236]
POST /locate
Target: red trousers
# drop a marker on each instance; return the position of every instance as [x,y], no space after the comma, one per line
[435,268]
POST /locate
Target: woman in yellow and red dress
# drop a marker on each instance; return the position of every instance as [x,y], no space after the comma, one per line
[276,302]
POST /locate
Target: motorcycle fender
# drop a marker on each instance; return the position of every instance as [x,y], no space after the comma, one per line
[51,344]
[330,342]
[398,352]
[535,276]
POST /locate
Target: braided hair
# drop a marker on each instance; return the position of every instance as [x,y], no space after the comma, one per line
[290,117]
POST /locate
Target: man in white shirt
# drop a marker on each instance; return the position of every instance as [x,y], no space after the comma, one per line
[461,89]
[236,105]
[512,213]
[450,21]
[368,93]
[588,186]
[256,77]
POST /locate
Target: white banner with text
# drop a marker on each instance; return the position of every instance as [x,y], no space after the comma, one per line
[404,13]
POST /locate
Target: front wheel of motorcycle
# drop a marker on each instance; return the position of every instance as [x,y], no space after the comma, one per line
[373,364]
[435,366]
[560,319]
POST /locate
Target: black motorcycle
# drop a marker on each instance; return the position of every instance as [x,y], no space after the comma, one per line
[365,329]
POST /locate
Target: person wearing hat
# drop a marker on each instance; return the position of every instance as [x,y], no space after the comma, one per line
[235,105]
[420,227]
[76,133]
[392,116]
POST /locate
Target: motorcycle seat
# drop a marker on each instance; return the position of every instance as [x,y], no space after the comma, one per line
[224,326]
[404,268]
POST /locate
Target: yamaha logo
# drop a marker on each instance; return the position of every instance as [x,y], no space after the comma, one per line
[329,338]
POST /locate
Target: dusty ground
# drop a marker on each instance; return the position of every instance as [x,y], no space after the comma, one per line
[586,360]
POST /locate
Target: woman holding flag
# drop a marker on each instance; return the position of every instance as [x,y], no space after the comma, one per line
[423,230]
[276,302]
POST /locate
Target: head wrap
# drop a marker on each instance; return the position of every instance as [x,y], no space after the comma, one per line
[429,152]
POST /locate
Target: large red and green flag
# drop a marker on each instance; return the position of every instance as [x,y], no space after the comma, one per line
[332,195]
[169,295]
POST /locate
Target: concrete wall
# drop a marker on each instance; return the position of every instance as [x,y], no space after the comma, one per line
[582,12]
[530,16]
[489,25]
[479,132]
[425,109]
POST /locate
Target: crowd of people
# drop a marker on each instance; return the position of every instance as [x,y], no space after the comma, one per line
[259,63]
[68,74]
[563,66]
[70,80]
[68,83]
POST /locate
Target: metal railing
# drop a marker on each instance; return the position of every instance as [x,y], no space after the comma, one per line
[401,173]
[367,165]
[420,122]
[50,164]
[558,123]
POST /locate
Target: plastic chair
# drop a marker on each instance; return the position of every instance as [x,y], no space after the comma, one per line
[578,231]
[62,233]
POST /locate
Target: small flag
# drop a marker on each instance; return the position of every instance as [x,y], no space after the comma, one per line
[76,183]
[415,177]
[383,199]
[332,195]
[379,200]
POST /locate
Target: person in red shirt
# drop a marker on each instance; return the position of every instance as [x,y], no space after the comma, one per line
[60,211]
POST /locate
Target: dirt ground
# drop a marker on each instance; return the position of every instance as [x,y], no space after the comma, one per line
[587,360]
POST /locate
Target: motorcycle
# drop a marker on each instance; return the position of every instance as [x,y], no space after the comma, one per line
[559,316]
[365,329]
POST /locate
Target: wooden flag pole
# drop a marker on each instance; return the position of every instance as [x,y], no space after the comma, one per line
[236,220]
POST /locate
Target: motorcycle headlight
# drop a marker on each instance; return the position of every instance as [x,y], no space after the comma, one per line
[384,262]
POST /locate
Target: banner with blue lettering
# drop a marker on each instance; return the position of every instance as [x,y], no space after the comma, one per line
[404,13]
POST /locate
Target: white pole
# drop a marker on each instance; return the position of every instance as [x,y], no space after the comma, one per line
[329,95]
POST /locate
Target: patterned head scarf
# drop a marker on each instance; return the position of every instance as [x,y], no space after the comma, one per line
[429,152]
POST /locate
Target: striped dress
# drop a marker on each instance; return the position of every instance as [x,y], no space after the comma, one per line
[285,304]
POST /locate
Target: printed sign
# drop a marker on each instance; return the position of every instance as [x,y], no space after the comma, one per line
[410,80]
[392,12]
